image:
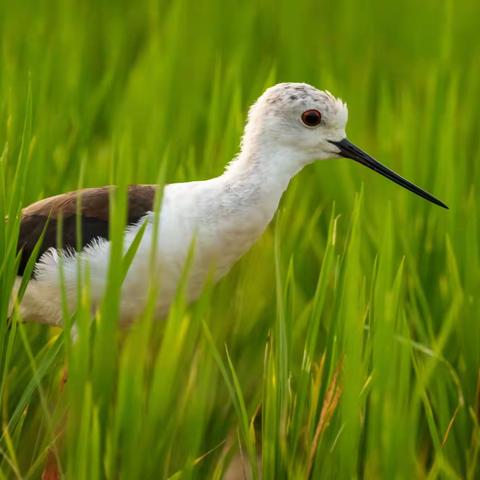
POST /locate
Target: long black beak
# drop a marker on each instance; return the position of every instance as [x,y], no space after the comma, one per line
[349,150]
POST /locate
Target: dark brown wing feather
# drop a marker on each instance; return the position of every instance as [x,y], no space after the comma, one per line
[94,208]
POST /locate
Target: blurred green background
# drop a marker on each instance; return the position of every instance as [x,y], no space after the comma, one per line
[352,326]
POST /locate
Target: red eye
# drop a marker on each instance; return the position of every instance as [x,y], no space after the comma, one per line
[311,118]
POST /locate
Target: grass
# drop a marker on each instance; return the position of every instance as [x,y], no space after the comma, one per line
[352,325]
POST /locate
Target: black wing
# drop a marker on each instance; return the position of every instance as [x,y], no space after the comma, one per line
[94,213]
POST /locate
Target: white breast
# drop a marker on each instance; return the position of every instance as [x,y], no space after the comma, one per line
[201,217]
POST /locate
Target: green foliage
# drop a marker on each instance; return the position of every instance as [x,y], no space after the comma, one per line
[346,344]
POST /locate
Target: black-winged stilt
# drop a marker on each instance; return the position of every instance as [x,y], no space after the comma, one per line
[290,126]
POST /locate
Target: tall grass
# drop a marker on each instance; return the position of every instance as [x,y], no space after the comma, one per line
[346,344]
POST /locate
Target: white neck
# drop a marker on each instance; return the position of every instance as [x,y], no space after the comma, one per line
[252,185]
[265,166]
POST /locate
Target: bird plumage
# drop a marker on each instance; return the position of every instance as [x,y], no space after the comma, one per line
[92,205]
[222,216]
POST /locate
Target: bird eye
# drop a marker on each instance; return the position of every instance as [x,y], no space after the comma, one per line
[311,118]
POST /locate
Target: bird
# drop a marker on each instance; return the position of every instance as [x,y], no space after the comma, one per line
[290,126]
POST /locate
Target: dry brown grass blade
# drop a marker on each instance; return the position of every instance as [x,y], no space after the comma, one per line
[330,403]
[51,470]
[450,425]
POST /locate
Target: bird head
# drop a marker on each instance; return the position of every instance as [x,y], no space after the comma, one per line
[299,124]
